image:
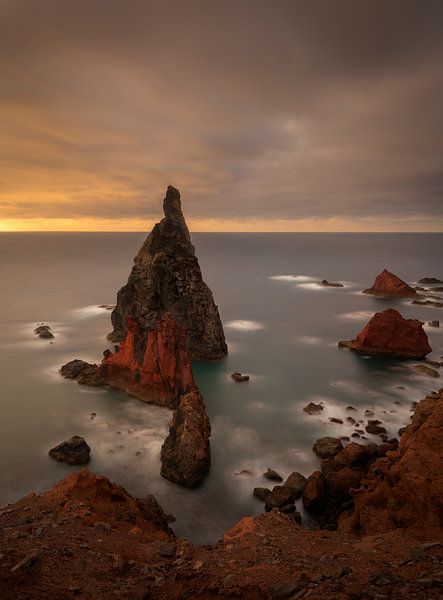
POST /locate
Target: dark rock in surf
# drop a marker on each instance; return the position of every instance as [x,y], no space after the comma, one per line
[74,451]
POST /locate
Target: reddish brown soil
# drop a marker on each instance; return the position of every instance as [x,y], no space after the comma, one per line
[88,538]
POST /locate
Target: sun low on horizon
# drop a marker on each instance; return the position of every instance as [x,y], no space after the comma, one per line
[312,117]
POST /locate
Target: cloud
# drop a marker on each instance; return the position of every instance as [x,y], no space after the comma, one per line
[265,113]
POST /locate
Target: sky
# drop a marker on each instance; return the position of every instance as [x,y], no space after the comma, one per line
[268,115]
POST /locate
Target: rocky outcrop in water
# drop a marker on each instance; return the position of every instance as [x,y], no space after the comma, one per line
[389,334]
[54,545]
[389,285]
[166,278]
[74,451]
[185,453]
[165,316]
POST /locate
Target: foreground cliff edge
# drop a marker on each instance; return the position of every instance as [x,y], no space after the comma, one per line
[88,537]
[164,318]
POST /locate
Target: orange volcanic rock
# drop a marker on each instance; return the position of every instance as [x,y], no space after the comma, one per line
[405,488]
[389,285]
[389,334]
[154,366]
[165,316]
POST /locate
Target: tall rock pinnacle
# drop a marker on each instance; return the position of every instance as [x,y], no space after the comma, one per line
[165,316]
[166,277]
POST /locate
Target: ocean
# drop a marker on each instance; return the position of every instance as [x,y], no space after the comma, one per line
[281,328]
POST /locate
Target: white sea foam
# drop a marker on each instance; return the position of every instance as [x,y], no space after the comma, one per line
[244,325]
[293,278]
[310,340]
[358,315]
[87,312]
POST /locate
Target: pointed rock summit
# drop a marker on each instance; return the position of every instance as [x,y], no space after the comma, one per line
[389,334]
[389,285]
[164,318]
[166,278]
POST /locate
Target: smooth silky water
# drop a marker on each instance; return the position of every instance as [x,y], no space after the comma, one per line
[281,329]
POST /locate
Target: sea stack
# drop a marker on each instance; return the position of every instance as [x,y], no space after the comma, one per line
[390,334]
[388,285]
[166,279]
[164,318]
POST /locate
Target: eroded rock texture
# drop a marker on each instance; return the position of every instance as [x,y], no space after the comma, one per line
[165,316]
[185,453]
[389,285]
[166,278]
[389,334]
[405,488]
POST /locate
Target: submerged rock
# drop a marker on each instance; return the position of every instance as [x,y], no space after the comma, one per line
[389,334]
[429,280]
[389,285]
[297,483]
[428,303]
[435,323]
[429,371]
[326,283]
[74,451]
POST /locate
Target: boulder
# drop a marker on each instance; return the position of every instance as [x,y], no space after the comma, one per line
[238,377]
[272,475]
[435,323]
[327,447]
[314,496]
[261,493]
[280,496]
[74,451]
[387,284]
[44,332]
[296,482]
[389,334]
[313,409]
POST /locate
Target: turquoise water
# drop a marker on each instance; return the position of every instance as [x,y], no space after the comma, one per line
[281,329]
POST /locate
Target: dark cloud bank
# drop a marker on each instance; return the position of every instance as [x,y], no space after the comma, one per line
[301,109]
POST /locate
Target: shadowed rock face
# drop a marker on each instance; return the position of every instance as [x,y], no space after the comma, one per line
[166,277]
[165,316]
[389,285]
[389,334]
[185,453]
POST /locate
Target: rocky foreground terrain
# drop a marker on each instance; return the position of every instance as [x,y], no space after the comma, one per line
[87,537]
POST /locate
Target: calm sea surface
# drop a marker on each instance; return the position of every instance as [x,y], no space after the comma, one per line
[281,329]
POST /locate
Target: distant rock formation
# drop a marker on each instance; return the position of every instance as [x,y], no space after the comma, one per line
[166,278]
[165,316]
[389,334]
[389,285]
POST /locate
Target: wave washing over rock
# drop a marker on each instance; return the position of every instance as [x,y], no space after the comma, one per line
[88,537]
[164,318]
